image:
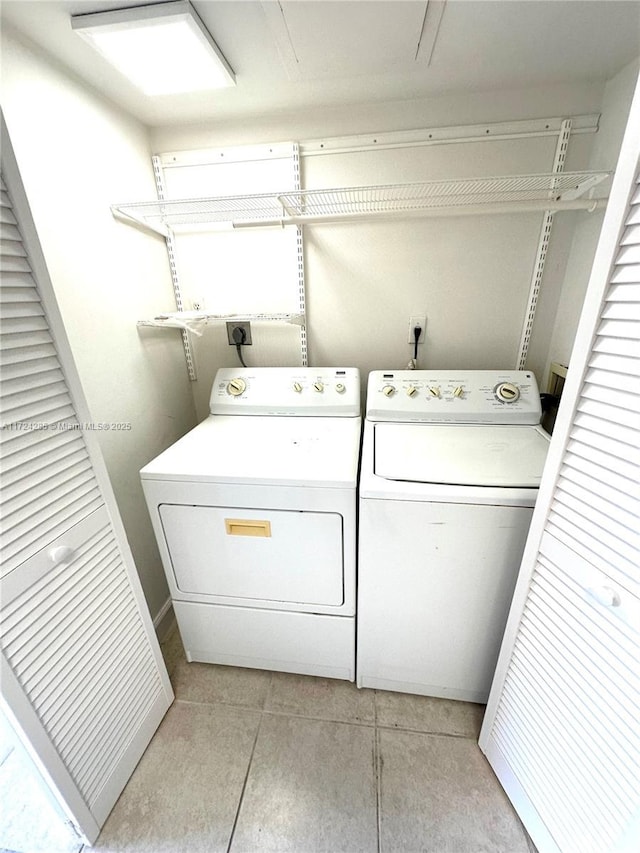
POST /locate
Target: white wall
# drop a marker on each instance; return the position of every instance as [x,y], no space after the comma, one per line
[450,109]
[615,108]
[471,276]
[77,155]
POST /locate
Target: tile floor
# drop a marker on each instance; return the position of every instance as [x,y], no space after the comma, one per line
[28,821]
[249,761]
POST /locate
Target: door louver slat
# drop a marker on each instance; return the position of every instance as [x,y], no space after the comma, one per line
[626,467]
[631,236]
[629,254]
[593,512]
[626,272]
[570,490]
[15,294]
[606,429]
[589,437]
[617,380]
[615,363]
[613,414]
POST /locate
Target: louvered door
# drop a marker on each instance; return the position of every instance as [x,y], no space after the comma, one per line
[48,482]
[82,675]
[562,729]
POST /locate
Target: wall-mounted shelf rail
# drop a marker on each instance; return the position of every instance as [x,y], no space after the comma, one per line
[554,191]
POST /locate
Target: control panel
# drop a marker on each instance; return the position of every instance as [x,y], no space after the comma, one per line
[290,391]
[454,396]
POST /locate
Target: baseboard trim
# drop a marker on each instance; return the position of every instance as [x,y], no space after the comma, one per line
[164,621]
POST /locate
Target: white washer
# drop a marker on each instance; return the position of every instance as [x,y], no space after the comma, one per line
[254,511]
[451,465]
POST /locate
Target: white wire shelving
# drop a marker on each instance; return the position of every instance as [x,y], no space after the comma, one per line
[195,321]
[554,191]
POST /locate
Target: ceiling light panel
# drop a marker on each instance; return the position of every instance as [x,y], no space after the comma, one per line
[163,48]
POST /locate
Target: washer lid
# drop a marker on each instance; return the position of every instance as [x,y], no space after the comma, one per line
[506,456]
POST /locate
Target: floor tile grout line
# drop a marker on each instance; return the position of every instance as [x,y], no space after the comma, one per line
[267,695]
[378,772]
[11,749]
[361,723]
[244,784]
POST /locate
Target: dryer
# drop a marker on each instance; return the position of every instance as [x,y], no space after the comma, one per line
[254,512]
[451,465]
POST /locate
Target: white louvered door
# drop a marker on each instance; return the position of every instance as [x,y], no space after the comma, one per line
[82,675]
[562,729]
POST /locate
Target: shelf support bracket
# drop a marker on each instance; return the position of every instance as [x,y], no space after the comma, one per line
[543,247]
[186,338]
[302,307]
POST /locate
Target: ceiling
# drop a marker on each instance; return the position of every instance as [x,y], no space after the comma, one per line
[308,54]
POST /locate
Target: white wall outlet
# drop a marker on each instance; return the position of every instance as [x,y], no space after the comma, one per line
[418,320]
[197,303]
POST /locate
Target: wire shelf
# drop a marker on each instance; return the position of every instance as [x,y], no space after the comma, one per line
[195,321]
[306,206]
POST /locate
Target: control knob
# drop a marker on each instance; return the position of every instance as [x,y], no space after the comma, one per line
[412,391]
[434,391]
[319,386]
[388,390]
[297,387]
[236,387]
[507,392]
[340,388]
[459,391]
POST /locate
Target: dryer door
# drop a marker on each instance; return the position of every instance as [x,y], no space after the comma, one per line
[257,555]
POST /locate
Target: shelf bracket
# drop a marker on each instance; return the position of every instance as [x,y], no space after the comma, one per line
[169,239]
[543,247]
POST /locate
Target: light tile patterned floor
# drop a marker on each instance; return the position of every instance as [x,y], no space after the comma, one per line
[28,821]
[248,761]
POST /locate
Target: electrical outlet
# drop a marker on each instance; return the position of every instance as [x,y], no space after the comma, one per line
[417,321]
[197,303]
[242,324]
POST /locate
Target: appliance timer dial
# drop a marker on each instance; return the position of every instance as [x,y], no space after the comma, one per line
[507,392]
[236,387]
[388,390]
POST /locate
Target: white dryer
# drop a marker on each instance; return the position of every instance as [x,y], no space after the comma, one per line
[451,465]
[254,511]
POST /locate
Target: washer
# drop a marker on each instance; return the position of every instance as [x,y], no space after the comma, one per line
[254,512]
[451,465]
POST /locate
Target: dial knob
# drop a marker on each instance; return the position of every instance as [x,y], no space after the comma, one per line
[388,390]
[340,388]
[434,391]
[412,391]
[236,387]
[319,386]
[507,392]
[297,387]
[459,391]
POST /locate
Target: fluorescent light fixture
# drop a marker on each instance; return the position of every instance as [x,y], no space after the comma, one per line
[163,48]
